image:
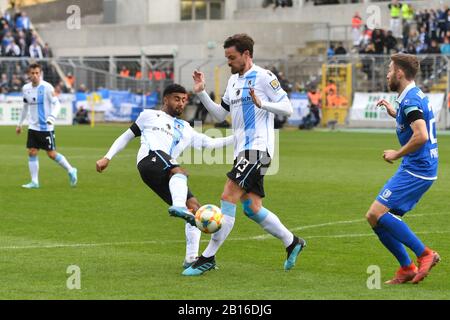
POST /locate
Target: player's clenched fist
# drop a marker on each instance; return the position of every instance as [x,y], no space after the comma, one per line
[102,164]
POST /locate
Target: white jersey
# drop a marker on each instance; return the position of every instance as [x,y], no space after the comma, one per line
[253,127]
[160,131]
[38,100]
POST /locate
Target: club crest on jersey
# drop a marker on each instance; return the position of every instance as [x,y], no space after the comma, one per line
[275,84]
[168,126]
[387,193]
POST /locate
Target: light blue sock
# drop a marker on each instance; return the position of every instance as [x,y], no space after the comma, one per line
[62,161]
[400,231]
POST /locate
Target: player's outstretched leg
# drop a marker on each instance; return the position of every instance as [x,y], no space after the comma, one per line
[62,161]
[207,260]
[272,224]
[33,165]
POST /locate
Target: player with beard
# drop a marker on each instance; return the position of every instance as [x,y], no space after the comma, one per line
[416,132]
[163,138]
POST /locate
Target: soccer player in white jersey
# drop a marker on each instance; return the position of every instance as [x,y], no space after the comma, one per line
[253,97]
[163,138]
[42,106]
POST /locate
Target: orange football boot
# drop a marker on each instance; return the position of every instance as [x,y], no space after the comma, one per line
[426,261]
[404,274]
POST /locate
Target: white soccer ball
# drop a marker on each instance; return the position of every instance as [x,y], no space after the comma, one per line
[208,218]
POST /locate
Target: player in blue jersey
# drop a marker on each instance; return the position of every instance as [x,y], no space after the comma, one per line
[41,106]
[416,131]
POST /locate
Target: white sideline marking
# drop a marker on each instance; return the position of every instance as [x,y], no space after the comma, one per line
[260,237]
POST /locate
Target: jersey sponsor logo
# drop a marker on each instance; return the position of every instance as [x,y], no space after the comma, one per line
[243,100]
[275,84]
[387,193]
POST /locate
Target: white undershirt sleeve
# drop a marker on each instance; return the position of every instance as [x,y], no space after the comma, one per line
[281,108]
[24,114]
[216,110]
[120,143]
[200,140]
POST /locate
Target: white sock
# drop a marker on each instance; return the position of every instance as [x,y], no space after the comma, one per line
[178,189]
[62,161]
[273,225]
[229,213]
[193,235]
[33,165]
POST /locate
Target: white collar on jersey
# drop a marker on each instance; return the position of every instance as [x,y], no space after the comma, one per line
[405,92]
[248,71]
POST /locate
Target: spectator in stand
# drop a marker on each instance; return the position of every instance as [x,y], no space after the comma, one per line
[356,28]
[4,83]
[23,22]
[47,52]
[124,72]
[330,51]
[330,87]
[407,20]
[391,43]
[396,21]
[335,101]
[16,83]
[424,40]
[445,48]
[12,50]
[35,50]
[367,62]
[138,75]
[378,41]
[442,22]
[315,104]
[340,50]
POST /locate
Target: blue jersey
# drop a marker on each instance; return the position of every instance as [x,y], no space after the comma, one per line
[422,163]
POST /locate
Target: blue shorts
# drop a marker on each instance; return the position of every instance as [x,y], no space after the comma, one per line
[402,192]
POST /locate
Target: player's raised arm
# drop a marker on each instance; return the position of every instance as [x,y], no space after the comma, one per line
[219,112]
[389,108]
[118,145]
[200,140]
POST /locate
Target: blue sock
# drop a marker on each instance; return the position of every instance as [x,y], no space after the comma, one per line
[400,231]
[393,245]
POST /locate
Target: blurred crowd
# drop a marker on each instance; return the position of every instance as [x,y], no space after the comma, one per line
[416,32]
[18,39]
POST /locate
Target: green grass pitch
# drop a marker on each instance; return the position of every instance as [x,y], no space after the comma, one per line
[127,247]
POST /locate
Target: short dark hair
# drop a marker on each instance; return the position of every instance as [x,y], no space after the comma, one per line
[241,41]
[174,88]
[408,63]
[34,65]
